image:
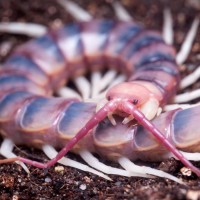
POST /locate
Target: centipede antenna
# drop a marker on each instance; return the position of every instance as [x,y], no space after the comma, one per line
[130,166]
[188,96]
[76,11]
[95,163]
[187,44]
[51,153]
[83,85]
[68,93]
[95,80]
[6,151]
[168,33]
[30,29]
[190,79]
[121,12]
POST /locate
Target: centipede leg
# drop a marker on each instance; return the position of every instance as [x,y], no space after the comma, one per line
[76,11]
[187,44]
[121,12]
[168,33]
[6,151]
[130,166]
[95,163]
[51,153]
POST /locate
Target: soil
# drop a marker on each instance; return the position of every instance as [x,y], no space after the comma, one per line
[70,183]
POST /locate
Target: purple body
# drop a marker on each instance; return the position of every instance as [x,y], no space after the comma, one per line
[29,115]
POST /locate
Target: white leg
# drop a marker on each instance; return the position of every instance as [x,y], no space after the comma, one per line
[76,11]
[188,96]
[95,163]
[84,87]
[68,93]
[99,83]
[190,79]
[176,106]
[117,80]
[121,12]
[95,80]
[6,151]
[187,44]
[30,29]
[107,79]
[130,166]
[191,156]
[168,33]
[51,153]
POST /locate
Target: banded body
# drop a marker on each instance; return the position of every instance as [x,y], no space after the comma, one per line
[179,126]
[35,70]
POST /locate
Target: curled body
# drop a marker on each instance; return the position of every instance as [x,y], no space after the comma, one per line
[35,70]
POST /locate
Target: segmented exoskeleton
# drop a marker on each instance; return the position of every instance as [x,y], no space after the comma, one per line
[38,68]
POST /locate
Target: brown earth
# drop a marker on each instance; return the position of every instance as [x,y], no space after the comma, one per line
[72,183]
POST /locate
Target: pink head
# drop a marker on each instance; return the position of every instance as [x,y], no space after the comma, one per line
[132,92]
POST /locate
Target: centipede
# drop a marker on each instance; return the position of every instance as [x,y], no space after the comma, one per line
[121,123]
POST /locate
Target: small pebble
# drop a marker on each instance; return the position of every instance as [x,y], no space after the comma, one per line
[47,180]
[15,197]
[19,180]
[82,186]
[185,171]
[95,190]
[76,182]
[87,179]
[118,183]
[59,169]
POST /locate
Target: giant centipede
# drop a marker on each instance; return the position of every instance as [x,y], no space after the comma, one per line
[121,128]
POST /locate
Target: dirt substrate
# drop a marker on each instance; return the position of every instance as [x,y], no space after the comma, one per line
[71,183]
